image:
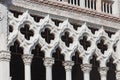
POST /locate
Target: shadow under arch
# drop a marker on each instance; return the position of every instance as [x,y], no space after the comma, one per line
[38,71]
[94,73]
[16,62]
[77,73]
[58,71]
[111,74]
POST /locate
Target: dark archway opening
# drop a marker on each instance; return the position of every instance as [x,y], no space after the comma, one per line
[77,73]
[94,74]
[16,62]
[111,75]
[37,66]
[58,71]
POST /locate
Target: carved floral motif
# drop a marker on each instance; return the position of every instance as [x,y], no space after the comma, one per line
[27,58]
[48,62]
[86,67]
[68,65]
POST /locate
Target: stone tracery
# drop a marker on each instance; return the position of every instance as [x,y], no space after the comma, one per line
[68,51]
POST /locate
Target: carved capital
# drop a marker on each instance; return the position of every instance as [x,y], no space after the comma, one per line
[48,61]
[86,67]
[5,56]
[68,65]
[27,58]
[117,75]
[103,71]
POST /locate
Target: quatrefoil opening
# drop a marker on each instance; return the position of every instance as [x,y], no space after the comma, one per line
[85,43]
[66,39]
[27,32]
[102,46]
[47,35]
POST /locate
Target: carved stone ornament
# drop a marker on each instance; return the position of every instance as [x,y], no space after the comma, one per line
[63,27]
[68,65]
[48,62]
[117,75]
[27,58]
[103,71]
[5,56]
[86,67]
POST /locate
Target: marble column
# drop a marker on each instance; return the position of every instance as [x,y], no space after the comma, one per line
[4,53]
[98,5]
[86,68]
[48,62]
[68,68]
[103,72]
[82,3]
[4,65]
[106,6]
[27,58]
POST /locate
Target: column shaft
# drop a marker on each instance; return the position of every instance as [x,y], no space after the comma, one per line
[103,73]
[4,53]
[27,58]
[82,3]
[48,62]
[68,67]
[86,68]
[4,65]
[98,5]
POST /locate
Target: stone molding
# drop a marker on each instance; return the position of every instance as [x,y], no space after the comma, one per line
[27,58]
[77,9]
[48,61]
[5,56]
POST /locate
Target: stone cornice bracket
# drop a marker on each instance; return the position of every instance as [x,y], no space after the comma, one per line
[103,71]
[27,58]
[5,56]
[117,75]
[86,67]
[48,61]
[68,65]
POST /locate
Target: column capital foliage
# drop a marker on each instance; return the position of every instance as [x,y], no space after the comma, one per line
[27,58]
[68,65]
[86,67]
[5,56]
[48,61]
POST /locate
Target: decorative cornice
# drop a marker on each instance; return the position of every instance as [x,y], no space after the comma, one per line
[27,58]
[68,65]
[5,56]
[48,61]
[78,9]
[86,67]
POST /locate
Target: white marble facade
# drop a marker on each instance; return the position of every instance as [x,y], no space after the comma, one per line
[7,38]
